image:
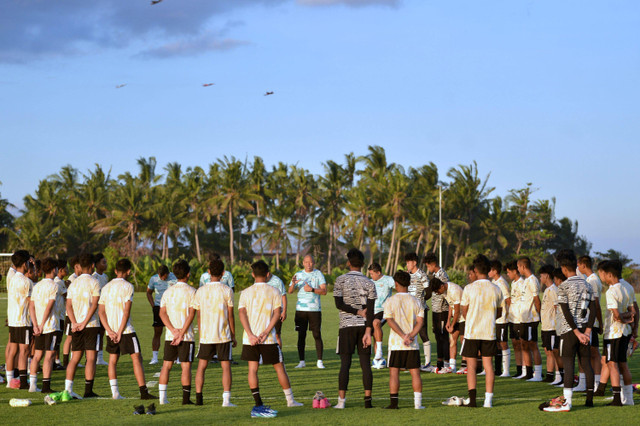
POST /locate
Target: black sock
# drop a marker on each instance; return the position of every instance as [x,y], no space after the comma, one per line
[561,370]
[472,398]
[601,388]
[529,372]
[617,402]
[199,398]
[394,400]
[589,400]
[143,390]
[16,373]
[498,363]
[24,383]
[186,395]
[518,370]
[46,385]
[463,364]
[367,402]
[550,376]
[256,396]
[440,364]
[65,359]
[88,386]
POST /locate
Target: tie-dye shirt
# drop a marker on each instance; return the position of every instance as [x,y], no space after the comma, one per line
[18,294]
[43,292]
[483,299]
[114,296]
[260,301]
[404,309]
[454,297]
[309,301]
[61,309]
[103,279]
[159,286]
[516,301]
[212,301]
[81,292]
[177,300]
[227,279]
[277,283]
[384,286]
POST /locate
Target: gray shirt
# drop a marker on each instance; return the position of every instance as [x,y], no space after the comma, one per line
[577,294]
[355,289]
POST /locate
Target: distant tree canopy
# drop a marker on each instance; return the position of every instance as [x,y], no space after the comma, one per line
[242,209]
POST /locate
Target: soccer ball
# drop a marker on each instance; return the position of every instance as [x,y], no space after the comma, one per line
[379,363]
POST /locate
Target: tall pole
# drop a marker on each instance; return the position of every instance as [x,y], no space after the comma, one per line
[440,223]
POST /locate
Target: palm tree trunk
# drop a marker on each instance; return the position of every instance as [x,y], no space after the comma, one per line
[165,246]
[230,214]
[419,242]
[395,264]
[330,249]
[393,240]
[195,231]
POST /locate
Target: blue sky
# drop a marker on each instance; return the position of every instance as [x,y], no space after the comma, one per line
[534,91]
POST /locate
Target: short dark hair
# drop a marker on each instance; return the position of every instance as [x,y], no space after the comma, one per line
[260,269]
[481,264]
[49,264]
[602,264]
[615,263]
[525,261]
[567,258]
[356,258]
[375,266]
[214,256]
[496,265]
[163,270]
[436,284]
[85,260]
[512,266]
[611,268]
[98,257]
[403,278]
[62,264]
[123,265]
[546,269]
[181,269]
[20,257]
[586,261]
[557,273]
[430,258]
[411,256]
[75,260]
[216,268]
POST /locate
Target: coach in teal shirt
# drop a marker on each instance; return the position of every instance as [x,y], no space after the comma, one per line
[310,284]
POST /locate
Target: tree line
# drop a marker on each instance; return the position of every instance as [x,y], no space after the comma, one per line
[244,209]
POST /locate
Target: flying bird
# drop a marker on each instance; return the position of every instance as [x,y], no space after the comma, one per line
[268,93]
[120,86]
[155,2]
[208,84]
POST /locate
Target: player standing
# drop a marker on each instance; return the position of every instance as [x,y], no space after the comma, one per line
[158,284]
[384,284]
[503,356]
[419,288]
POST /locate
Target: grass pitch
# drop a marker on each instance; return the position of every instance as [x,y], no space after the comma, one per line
[515,401]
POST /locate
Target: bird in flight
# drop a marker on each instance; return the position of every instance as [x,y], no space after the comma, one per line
[268,93]
[155,2]
[208,84]
[120,86]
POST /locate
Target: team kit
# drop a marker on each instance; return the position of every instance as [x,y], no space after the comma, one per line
[62,317]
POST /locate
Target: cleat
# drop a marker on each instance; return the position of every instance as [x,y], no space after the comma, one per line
[153,362]
[70,394]
[301,364]
[151,409]
[117,396]
[294,403]
[49,401]
[263,411]
[320,364]
[453,401]
[91,395]
[101,362]
[228,404]
[139,409]
[445,370]
[557,405]
[36,389]
[462,371]
[428,368]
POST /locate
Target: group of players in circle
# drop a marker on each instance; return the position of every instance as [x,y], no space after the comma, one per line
[86,306]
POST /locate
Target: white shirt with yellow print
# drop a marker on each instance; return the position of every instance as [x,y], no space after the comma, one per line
[260,300]
[404,309]
[114,296]
[43,292]
[18,292]
[81,291]
[212,301]
[177,300]
[483,299]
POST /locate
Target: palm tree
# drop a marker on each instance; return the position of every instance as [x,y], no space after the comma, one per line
[333,196]
[305,198]
[193,192]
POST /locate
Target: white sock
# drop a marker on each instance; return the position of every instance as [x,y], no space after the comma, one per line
[9,376]
[446,364]
[417,399]
[226,397]
[506,360]
[378,350]
[426,347]
[452,363]
[488,399]
[68,385]
[596,380]
[583,379]
[33,381]
[163,392]
[558,375]
[341,402]
[537,371]
[568,395]
[99,356]
[155,355]
[114,387]
[288,393]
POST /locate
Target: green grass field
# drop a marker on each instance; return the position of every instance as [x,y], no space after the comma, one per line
[515,401]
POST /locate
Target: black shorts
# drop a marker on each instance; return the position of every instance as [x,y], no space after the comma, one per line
[21,335]
[207,351]
[128,344]
[502,332]
[459,327]
[271,354]
[47,342]
[474,348]
[278,327]
[595,340]
[530,331]
[350,338]
[184,351]
[570,346]
[404,359]
[379,316]
[549,340]
[615,350]
[308,320]
[89,339]
[157,322]
[67,327]
[514,330]
[60,334]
